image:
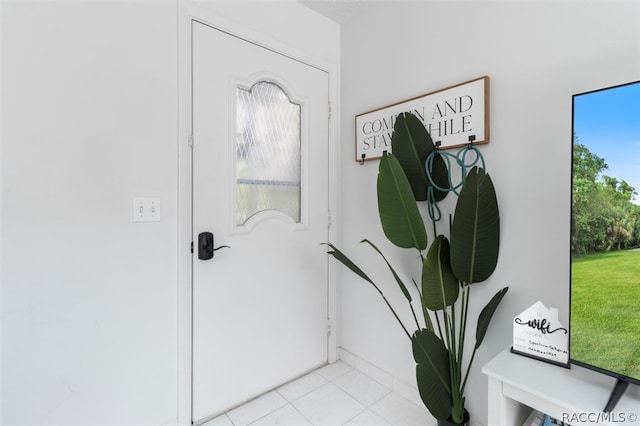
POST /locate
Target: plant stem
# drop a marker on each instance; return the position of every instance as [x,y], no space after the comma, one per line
[451,353]
[393,312]
[455,377]
[466,376]
[447,327]
[425,313]
[463,326]
[464,301]
[473,354]
[414,316]
[439,327]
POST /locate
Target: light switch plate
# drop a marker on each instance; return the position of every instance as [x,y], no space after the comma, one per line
[146,209]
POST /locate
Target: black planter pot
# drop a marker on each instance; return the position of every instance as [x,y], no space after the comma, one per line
[448,422]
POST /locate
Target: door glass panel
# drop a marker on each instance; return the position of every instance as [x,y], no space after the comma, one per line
[267,152]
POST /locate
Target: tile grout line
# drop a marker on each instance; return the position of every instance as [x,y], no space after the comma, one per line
[388,383]
[348,393]
[299,412]
[290,403]
[395,384]
[267,414]
[366,407]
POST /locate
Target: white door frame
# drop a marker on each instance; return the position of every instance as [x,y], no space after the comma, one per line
[186,13]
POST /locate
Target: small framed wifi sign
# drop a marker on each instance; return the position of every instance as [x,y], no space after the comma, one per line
[453,116]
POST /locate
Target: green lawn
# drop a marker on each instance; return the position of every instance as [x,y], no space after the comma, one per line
[605,311]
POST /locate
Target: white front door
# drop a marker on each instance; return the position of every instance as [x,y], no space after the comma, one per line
[260,186]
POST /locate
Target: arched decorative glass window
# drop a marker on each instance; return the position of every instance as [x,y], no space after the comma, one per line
[268,165]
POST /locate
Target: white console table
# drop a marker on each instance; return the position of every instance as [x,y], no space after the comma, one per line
[518,384]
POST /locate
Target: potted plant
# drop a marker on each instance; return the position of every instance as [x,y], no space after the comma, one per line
[451,265]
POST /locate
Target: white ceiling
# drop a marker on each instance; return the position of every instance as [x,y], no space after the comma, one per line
[337,10]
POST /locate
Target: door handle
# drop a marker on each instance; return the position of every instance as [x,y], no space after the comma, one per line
[205,246]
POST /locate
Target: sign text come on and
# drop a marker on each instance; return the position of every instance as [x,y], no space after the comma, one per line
[451,116]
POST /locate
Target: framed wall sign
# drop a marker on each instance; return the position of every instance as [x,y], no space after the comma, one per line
[451,116]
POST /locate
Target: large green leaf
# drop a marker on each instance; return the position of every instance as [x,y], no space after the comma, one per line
[475,232]
[439,286]
[487,313]
[412,144]
[342,258]
[432,373]
[399,214]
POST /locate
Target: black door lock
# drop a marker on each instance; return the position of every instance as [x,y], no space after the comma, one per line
[205,246]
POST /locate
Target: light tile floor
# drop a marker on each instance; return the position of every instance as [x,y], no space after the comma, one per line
[334,395]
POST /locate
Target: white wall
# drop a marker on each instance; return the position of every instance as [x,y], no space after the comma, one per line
[89,103]
[537,55]
[89,119]
[287,24]
[94,325]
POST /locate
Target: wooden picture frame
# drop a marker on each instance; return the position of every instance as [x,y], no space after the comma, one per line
[454,116]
